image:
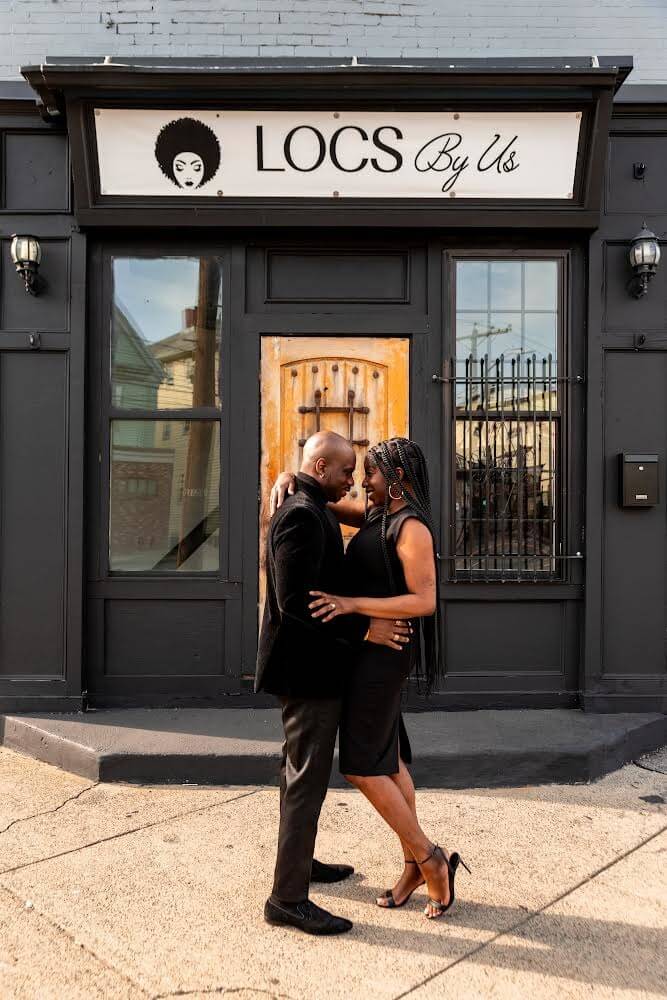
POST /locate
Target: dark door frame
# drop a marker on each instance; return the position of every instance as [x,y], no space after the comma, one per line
[428,326]
[102,586]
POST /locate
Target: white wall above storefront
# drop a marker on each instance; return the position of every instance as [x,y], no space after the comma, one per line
[31,32]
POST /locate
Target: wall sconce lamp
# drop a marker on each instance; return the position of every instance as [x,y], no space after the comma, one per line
[644,260]
[26,255]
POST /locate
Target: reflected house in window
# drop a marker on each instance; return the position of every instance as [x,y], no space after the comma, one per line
[141,469]
[166,328]
[180,360]
[138,374]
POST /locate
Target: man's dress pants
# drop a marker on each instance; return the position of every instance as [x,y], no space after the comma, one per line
[310,727]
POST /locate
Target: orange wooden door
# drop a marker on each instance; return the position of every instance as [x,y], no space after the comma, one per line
[356,386]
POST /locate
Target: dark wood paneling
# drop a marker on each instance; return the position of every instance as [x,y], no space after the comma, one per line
[625,194]
[36,172]
[183,639]
[33,467]
[635,554]
[50,309]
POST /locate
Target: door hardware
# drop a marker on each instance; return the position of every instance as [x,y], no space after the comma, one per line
[318,409]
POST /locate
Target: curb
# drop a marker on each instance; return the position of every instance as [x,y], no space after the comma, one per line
[490,767]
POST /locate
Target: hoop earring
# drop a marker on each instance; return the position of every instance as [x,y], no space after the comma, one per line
[400,495]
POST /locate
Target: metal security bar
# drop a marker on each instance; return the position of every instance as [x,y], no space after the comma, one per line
[507,437]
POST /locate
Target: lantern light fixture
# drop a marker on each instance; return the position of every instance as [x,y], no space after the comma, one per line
[644,260]
[26,255]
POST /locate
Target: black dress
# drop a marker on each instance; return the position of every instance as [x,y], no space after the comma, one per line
[372,732]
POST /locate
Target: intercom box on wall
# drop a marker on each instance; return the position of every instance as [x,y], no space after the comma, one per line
[638,480]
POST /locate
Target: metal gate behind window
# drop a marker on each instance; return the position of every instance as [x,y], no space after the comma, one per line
[507,406]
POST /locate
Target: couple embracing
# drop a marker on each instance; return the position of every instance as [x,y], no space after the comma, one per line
[341,633]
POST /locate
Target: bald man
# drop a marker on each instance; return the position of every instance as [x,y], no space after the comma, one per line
[304,663]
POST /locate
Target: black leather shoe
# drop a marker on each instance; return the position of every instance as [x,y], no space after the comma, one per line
[329,873]
[306,917]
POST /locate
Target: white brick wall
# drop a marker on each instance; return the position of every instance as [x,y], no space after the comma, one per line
[30,30]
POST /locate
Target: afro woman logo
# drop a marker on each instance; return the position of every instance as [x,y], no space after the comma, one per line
[188,152]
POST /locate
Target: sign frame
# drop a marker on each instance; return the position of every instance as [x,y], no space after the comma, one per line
[288,86]
[477,156]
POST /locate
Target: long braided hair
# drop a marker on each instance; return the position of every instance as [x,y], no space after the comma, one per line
[389,456]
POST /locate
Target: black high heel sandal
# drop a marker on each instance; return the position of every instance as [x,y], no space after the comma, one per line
[452,862]
[391,903]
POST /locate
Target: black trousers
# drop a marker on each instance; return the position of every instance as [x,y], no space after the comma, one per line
[310,727]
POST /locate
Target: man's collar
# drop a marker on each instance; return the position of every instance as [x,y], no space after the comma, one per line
[312,488]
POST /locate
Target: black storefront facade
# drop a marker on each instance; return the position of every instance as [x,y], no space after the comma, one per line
[180,345]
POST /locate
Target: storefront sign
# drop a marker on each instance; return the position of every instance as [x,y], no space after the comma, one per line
[332,154]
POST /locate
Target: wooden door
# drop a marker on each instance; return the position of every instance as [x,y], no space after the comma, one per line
[356,386]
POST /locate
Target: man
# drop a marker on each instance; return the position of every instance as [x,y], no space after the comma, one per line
[304,662]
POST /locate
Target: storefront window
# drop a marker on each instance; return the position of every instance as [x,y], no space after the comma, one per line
[164,505]
[165,332]
[164,509]
[507,418]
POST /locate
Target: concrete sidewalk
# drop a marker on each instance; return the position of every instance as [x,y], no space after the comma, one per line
[242,746]
[115,891]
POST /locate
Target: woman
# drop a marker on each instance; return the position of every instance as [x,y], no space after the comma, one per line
[392,561]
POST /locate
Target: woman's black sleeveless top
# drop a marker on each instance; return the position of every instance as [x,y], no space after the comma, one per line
[366,572]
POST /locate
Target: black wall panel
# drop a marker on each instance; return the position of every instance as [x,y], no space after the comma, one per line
[635,557]
[33,464]
[50,309]
[343,279]
[36,172]
[337,277]
[629,195]
[623,312]
[625,636]
[164,639]
[41,422]
[510,637]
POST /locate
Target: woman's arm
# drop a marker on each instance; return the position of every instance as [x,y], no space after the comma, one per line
[346,511]
[415,550]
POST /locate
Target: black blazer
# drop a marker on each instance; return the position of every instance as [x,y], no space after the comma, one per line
[298,655]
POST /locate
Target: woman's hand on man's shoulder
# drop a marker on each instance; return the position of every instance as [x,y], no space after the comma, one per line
[285,485]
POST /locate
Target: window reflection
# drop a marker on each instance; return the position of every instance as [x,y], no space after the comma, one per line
[507,418]
[164,504]
[166,322]
[506,323]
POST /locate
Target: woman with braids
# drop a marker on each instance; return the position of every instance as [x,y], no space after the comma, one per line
[391,561]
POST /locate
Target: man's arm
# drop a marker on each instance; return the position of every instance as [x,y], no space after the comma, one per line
[298,551]
[346,511]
